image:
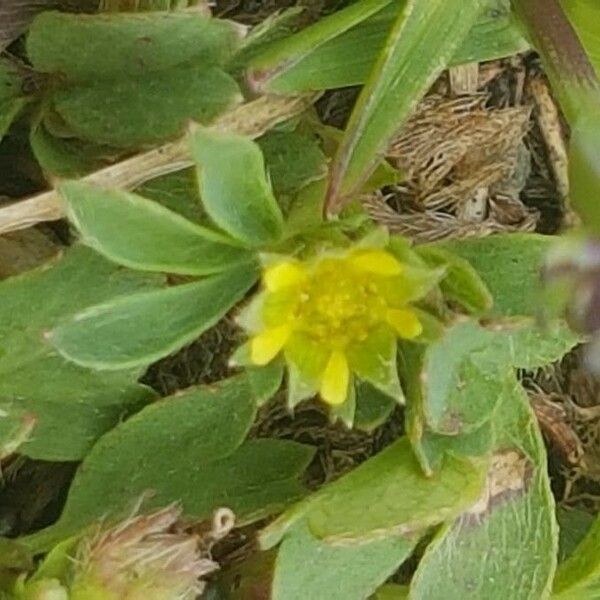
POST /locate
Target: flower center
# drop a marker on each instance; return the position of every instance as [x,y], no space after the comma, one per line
[339,306]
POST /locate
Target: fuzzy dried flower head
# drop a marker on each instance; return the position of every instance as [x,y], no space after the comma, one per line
[335,316]
[144,558]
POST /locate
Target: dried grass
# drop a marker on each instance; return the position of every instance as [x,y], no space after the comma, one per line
[465,165]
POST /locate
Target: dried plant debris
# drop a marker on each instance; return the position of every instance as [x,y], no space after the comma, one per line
[204,361]
[32,494]
[339,449]
[465,165]
[253,12]
[148,552]
[509,476]
[566,400]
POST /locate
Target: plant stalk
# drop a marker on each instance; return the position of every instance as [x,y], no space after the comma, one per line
[252,119]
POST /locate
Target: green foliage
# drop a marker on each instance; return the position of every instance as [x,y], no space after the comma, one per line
[68,157]
[355,36]
[584,168]
[465,492]
[391,591]
[455,385]
[308,568]
[336,513]
[462,283]
[420,45]
[510,266]
[137,79]
[462,379]
[140,328]
[506,544]
[585,16]
[35,380]
[574,524]
[579,575]
[373,407]
[189,448]
[126,45]
[184,247]
[293,161]
[136,112]
[12,98]
[239,199]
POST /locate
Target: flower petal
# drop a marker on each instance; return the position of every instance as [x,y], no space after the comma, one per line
[378,262]
[283,275]
[334,385]
[266,346]
[345,412]
[405,322]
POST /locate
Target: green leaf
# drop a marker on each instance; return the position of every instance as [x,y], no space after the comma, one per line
[141,234]
[510,266]
[579,575]
[530,345]
[285,54]
[392,591]
[12,98]
[308,568]
[68,157]
[584,169]
[573,524]
[401,500]
[585,16]
[461,283]
[240,199]
[120,46]
[431,447]
[178,192]
[464,372]
[419,47]
[145,5]
[16,427]
[505,545]
[343,51]
[293,160]
[72,406]
[188,449]
[272,27]
[374,360]
[132,112]
[373,407]
[462,379]
[14,556]
[137,330]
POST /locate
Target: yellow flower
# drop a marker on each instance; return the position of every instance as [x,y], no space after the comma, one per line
[336,316]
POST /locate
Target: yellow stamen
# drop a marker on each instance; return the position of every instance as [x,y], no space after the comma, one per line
[267,345]
[405,322]
[334,385]
[377,262]
[283,275]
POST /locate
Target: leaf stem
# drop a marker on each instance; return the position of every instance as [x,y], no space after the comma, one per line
[252,119]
